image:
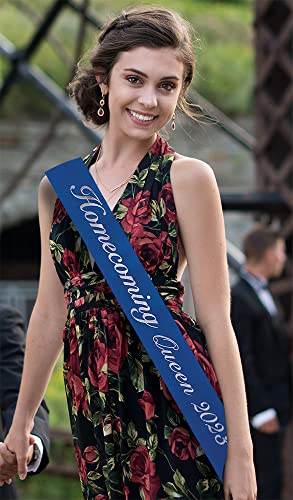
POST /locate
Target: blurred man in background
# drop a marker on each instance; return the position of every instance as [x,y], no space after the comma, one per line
[12,344]
[264,349]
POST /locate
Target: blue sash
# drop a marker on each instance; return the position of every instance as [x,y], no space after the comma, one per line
[143,307]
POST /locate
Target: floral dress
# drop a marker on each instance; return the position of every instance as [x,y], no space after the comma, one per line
[131,440]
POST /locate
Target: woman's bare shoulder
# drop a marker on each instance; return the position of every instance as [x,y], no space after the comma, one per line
[47,201]
[47,193]
[187,172]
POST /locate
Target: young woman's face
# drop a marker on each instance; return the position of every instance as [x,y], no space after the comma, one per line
[144,87]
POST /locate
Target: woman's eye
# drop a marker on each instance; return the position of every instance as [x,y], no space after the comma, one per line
[168,86]
[133,79]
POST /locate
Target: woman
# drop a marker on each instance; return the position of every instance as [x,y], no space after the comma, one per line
[130,438]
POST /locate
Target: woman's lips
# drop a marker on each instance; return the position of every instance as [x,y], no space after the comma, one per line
[139,121]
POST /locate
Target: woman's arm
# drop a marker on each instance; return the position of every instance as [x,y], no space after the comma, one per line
[202,232]
[44,339]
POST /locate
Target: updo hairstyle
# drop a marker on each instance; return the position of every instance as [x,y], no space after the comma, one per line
[140,26]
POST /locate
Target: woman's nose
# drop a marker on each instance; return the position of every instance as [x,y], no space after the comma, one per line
[148,99]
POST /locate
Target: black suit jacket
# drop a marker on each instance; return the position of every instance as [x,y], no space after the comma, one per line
[264,350]
[12,345]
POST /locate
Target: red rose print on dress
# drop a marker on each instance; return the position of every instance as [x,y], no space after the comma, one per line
[157,147]
[116,424]
[77,280]
[70,260]
[136,207]
[98,361]
[91,454]
[126,492]
[78,302]
[148,404]
[143,472]
[161,147]
[72,265]
[182,444]
[67,296]
[168,396]
[117,345]
[166,194]
[81,464]
[77,390]
[166,149]
[102,287]
[59,212]
[147,247]
[175,305]
[166,245]
[74,360]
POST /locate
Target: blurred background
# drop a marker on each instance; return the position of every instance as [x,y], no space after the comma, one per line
[246,136]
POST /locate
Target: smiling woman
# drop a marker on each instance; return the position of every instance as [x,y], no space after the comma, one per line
[136,28]
[131,440]
[141,94]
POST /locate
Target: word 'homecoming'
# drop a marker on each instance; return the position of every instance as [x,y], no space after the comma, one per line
[141,313]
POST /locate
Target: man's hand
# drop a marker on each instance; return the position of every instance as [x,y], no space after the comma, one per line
[8,463]
[270,427]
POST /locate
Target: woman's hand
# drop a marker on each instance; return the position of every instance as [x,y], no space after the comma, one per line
[239,476]
[19,449]
[8,467]
[8,463]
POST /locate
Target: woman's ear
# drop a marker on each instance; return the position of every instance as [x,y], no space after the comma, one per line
[103,86]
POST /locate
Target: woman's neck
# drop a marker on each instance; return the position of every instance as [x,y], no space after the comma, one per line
[121,151]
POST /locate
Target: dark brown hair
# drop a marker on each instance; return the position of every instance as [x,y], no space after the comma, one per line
[153,27]
[258,240]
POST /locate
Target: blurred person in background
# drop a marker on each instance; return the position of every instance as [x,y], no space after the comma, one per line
[12,345]
[264,349]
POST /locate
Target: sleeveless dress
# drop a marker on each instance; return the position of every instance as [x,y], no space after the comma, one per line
[131,440]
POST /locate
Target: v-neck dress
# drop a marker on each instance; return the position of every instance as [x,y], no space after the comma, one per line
[131,440]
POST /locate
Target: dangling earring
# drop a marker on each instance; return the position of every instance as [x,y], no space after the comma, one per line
[173,122]
[101,111]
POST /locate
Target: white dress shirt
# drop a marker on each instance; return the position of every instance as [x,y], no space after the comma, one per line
[34,465]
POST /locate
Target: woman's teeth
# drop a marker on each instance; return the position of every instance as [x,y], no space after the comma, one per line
[143,118]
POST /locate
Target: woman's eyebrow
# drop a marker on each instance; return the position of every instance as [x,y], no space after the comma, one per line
[133,70]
